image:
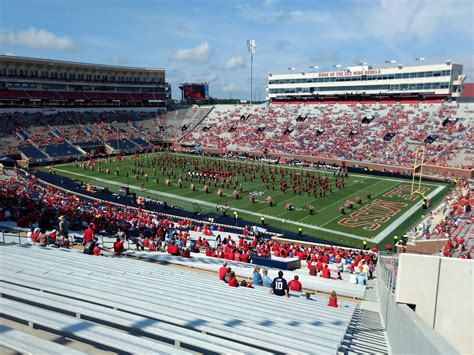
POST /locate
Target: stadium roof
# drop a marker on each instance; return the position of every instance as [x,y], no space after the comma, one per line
[31,60]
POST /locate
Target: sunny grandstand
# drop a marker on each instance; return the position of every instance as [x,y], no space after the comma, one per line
[431,83]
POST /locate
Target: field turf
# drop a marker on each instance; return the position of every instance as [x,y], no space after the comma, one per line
[391,209]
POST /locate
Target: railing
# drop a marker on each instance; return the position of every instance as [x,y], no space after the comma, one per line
[387,270]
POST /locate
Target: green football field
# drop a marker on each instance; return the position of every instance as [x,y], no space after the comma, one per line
[391,210]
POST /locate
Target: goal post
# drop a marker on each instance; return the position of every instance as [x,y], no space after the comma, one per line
[417,173]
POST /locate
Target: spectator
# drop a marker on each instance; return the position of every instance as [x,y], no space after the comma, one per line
[121,234]
[257,278]
[371,269]
[223,271]
[333,300]
[361,279]
[52,236]
[96,250]
[280,286]
[139,242]
[266,280]
[227,274]
[243,283]
[42,238]
[295,284]
[232,280]
[90,246]
[326,273]
[118,246]
[88,235]
[63,227]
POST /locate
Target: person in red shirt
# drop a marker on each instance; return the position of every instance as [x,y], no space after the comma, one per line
[118,246]
[96,251]
[52,237]
[245,257]
[295,285]
[312,269]
[222,271]
[326,272]
[333,300]
[232,280]
[319,266]
[88,235]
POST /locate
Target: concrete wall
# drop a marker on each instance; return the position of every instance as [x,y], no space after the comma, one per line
[442,290]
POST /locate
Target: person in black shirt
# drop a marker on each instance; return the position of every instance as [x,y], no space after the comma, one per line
[280,286]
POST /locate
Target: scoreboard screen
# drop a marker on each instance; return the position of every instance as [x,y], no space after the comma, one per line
[191,91]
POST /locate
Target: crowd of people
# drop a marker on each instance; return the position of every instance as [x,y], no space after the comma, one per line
[450,221]
[337,131]
[277,286]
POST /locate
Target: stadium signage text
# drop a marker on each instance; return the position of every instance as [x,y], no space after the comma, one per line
[349,73]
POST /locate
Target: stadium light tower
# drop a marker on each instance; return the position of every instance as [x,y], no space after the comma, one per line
[251,44]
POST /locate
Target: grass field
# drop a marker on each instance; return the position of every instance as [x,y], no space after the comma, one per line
[391,210]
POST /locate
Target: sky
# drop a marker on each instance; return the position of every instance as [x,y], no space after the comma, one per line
[205,40]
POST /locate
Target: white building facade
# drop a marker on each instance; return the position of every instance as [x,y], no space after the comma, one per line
[436,80]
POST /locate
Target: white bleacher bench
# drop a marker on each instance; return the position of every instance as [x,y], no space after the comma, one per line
[172,300]
[83,330]
[98,313]
[25,343]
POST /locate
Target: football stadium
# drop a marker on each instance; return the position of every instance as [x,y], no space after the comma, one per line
[147,208]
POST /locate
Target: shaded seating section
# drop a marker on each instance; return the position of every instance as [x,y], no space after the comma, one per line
[32,153]
[89,144]
[97,96]
[22,134]
[121,144]
[44,95]
[194,311]
[61,150]
[56,132]
[70,95]
[140,142]
[13,95]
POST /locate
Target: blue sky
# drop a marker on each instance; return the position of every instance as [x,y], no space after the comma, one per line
[205,40]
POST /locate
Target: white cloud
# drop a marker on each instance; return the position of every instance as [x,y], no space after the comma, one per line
[230,87]
[35,38]
[387,20]
[115,59]
[10,54]
[199,54]
[233,63]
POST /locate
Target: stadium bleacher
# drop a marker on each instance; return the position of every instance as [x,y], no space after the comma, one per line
[178,307]
[405,123]
[32,153]
[61,150]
